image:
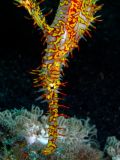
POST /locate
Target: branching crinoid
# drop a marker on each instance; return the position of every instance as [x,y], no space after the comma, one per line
[27,134]
[71,23]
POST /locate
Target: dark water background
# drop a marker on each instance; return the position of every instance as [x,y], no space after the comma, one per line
[93,75]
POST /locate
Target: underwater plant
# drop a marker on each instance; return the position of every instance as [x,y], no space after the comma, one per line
[70,24]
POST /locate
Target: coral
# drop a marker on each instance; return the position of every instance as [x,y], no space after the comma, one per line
[24,135]
[27,132]
[88,153]
[112,148]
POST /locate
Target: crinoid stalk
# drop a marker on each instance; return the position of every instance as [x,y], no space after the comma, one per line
[70,24]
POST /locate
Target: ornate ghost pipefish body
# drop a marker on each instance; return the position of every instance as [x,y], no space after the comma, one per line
[71,23]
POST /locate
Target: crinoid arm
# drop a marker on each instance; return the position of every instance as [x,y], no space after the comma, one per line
[32,6]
